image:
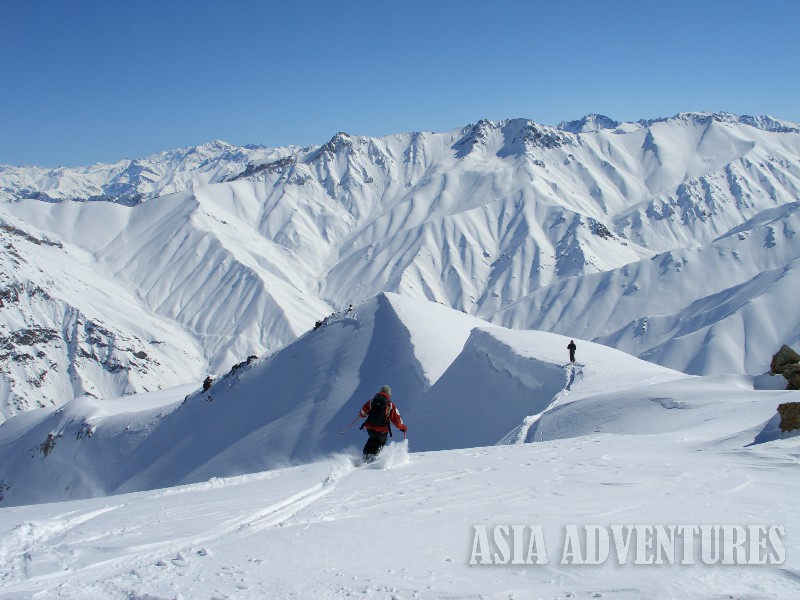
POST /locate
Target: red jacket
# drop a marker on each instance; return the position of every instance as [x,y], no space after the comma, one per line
[392,413]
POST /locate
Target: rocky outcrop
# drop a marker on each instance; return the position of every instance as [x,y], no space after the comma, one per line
[790,415]
[787,362]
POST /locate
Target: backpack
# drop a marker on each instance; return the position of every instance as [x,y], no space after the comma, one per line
[378,413]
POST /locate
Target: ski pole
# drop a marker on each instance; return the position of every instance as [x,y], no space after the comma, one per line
[350,425]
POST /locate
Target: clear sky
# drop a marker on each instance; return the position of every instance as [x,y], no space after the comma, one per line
[96,81]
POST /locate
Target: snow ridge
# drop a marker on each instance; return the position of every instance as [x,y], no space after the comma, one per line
[290,408]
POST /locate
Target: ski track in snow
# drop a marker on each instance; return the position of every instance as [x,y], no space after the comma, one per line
[311,539]
[48,538]
[38,552]
[520,435]
[17,549]
[271,516]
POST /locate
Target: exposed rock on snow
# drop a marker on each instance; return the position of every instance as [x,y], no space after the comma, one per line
[787,363]
[790,415]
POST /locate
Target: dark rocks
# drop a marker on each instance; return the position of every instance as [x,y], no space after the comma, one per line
[25,235]
[12,346]
[787,363]
[790,416]
[50,443]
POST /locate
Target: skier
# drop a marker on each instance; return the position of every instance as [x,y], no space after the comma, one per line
[572,347]
[379,412]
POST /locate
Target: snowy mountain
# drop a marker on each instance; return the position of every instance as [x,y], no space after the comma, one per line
[672,239]
[612,442]
[589,123]
[131,182]
[711,310]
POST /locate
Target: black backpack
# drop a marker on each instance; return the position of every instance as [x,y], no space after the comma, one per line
[378,413]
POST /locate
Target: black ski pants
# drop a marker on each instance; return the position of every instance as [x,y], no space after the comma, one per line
[375,442]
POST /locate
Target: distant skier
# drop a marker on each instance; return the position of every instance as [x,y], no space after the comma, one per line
[380,412]
[572,347]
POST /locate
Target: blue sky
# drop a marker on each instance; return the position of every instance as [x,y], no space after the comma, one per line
[97,81]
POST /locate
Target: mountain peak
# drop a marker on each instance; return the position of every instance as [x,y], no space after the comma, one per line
[341,142]
[589,123]
[474,136]
[217,145]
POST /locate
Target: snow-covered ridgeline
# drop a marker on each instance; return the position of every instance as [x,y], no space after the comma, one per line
[473,386]
[130,182]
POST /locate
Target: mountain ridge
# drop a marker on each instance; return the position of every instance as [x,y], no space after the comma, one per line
[290,407]
[36,186]
[482,218]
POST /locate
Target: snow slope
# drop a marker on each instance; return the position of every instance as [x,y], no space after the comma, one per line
[66,332]
[618,441]
[509,221]
[711,310]
[458,382]
[303,531]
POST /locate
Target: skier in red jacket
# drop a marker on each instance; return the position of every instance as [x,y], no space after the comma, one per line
[379,412]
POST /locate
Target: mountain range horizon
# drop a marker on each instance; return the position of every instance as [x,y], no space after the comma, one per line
[585,124]
[671,239]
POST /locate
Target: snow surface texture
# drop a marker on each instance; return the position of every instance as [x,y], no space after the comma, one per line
[672,239]
[617,441]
